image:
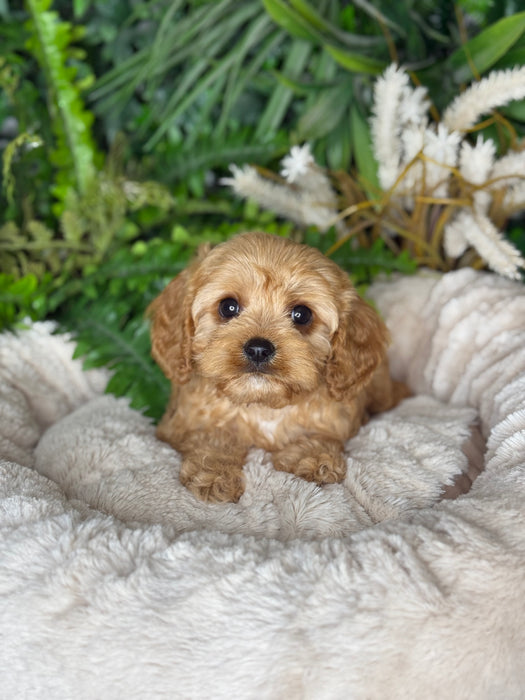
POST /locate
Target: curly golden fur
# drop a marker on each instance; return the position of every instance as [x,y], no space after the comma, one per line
[267,344]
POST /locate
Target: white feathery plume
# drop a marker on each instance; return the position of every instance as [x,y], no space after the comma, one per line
[402,138]
[300,169]
[296,165]
[500,255]
[514,199]
[400,132]
[441,148]
[412,142]
[496,90]
[247,183]
[509,169]
[385,127]
[508,174]
[475,164]
[428,176]
[291,202]
[477,230]
[455,242]
[413,106]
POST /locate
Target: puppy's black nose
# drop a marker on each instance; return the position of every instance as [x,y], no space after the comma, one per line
[259,350]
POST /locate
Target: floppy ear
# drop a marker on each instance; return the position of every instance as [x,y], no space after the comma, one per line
[358,347]
[172,328]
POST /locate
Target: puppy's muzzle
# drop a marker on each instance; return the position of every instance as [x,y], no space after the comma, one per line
[259,352]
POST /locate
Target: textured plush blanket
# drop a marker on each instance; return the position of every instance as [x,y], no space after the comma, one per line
[116,583]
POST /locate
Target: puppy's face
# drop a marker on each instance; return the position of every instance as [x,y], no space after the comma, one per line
[264,314]
[265,320]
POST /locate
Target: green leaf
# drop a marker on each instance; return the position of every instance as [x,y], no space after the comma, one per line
[364,156]
[292,21]
[20,298]
[80,7]
[10,151]
[311,14]
[512,58]
[331,31]
[338,147]
[485,49]
[357,63]
[276,107]
[326,112]
[363,264]
[366,263]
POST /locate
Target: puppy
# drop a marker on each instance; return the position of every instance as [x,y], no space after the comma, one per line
[266,344]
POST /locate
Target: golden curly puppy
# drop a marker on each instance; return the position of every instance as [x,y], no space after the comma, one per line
[266,344]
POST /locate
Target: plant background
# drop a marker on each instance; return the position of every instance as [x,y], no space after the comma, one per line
[117,121]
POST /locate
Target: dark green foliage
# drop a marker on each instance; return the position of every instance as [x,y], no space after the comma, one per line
[21,298]
[105,312]
[363,264]
[201,72]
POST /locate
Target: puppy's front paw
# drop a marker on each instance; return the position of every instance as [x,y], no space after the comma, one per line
[315,460]
[219,485]
[323,468]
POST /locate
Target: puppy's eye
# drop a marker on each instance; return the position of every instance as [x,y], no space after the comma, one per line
[301,315]
[228,308]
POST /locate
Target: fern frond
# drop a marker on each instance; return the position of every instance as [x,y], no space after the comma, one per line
[101,342]
[74,152]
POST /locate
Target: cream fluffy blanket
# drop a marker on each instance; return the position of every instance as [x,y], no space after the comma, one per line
[116,583]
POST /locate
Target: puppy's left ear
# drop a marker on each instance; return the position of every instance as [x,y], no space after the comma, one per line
[358,347]
[171,323]
[172,328]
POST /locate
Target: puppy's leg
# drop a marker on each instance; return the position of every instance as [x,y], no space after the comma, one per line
[211,467]
[383,393]
[313,458]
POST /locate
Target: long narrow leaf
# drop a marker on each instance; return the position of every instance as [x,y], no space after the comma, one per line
[357,63]
[366,163]
[331,31]
[485,49]
[324,115]
[279,102]
[238,77]
[292,21]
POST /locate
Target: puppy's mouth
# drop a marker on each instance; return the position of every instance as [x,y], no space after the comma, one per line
[259,371]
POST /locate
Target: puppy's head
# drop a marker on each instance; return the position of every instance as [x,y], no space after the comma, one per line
[266,320]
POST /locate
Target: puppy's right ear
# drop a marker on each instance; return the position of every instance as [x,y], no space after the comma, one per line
[172,328]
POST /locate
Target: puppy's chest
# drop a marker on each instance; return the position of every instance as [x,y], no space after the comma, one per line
[253,425]
[270,427]
[274,428]
[261,426]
